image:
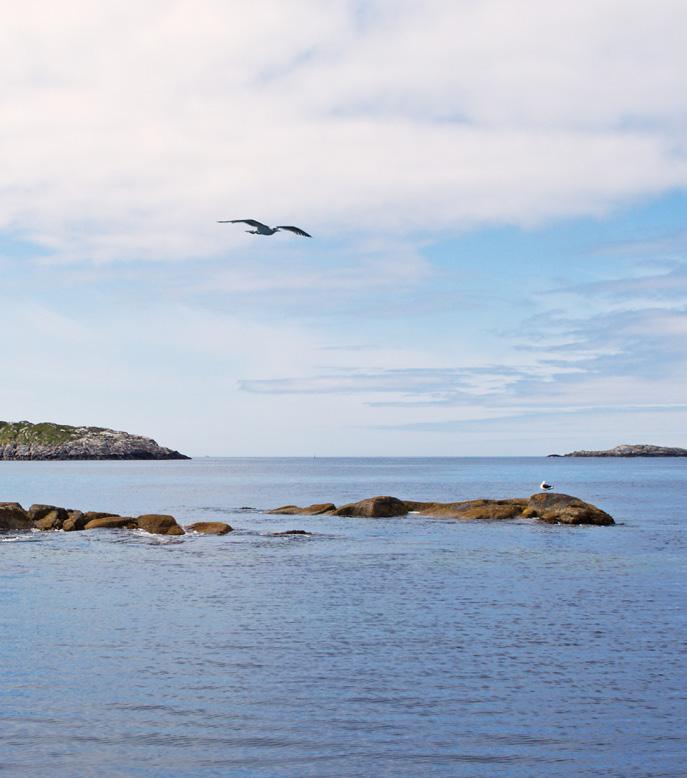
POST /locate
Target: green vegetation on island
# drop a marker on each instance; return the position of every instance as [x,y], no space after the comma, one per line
[44,433]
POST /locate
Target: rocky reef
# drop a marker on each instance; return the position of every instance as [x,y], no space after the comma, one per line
[23,440]
[549,507]
[634,450]
[52,517]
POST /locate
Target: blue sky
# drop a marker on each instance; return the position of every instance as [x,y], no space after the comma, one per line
[496,193]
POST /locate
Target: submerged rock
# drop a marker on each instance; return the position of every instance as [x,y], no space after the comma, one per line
[210,527]
[310,510]
[290,532]
[13,516]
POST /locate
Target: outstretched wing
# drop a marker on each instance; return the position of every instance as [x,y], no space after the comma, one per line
[297,230]
[251,222]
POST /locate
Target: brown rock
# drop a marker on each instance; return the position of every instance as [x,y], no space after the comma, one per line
[91,515]
[53,519]
[414,505]
[13,516]
[548,507]
[75,521]
[159,524]
[556,508]
[111,522]
[374,507]
[310,510]
[475,509]
[210,527]
[38,512]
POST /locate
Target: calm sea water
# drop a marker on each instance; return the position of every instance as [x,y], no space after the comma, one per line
[396,647]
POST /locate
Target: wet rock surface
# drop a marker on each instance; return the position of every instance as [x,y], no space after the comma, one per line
[159,524]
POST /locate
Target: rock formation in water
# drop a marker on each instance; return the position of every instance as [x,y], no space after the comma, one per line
[13,516]
[52,517]
[635,450]
[24,440]
[549,507]
[210,528]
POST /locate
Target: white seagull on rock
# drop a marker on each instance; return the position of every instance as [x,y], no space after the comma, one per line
[543,485]
[263,229]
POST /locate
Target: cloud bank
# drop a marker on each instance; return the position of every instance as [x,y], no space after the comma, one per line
[129,128]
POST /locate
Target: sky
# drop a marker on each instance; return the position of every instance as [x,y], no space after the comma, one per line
[497,193]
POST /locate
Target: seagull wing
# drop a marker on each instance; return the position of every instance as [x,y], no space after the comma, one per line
[297,230]
[251,222]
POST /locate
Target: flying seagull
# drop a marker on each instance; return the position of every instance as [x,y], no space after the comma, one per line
[263,229]
[543,485]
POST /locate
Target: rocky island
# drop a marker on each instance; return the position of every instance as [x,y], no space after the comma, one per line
[23,440]
[634,450]
[549,507]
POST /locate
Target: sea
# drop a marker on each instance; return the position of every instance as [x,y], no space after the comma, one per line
[372,647]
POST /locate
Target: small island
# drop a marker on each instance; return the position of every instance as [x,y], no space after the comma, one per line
[548,507]
[23,440]
[634,450]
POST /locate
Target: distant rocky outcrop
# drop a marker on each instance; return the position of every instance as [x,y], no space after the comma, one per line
[23,440]
[634,450]
[550,507]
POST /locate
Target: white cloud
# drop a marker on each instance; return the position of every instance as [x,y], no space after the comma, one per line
[129,128]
